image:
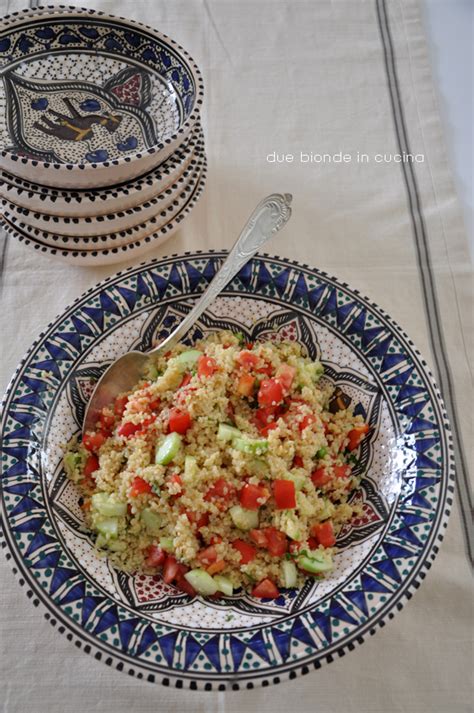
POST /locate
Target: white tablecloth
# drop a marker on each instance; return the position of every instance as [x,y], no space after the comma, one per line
[284,77]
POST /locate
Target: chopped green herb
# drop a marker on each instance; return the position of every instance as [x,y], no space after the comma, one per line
[322,453]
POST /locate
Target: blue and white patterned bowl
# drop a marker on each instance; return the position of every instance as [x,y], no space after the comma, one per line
[75,204]
[89,99]
[139,624]
[125,244]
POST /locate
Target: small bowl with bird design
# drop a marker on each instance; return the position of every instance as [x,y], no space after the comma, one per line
[90,99]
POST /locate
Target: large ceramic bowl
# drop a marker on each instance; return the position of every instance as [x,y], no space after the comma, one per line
[146,628]
[90,99]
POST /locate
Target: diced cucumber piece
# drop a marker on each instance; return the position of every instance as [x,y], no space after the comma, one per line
[107,527]
[224,584]
[117,546]
[105,505]
[202,582]
[166,544]
[101,542]
[241,338]
[289,527]
[188,359]
[327,511]
[73,462]
[322,453]
[260,467]
[315,561]
[289,573]
[191,470]
[151,520]
[298,479]
[227,433]
[253,446]
[169,449]
[242,518]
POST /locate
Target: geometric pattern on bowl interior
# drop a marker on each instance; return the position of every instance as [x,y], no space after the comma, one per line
[117,253]
[70,203]
[91,99]
[157,213]
[110,222]
[166,636]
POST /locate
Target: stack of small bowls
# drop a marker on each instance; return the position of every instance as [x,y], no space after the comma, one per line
[102,150]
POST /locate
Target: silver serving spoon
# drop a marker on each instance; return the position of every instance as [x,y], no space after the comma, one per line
[270,215]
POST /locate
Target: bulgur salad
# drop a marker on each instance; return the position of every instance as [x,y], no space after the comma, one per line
[228,466]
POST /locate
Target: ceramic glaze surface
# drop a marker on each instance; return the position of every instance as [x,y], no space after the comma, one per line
[137,622]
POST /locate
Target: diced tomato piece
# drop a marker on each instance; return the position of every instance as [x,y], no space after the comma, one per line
[155,556]
[198,519]
[266,369]
[185,381]
[253,496]
[270,393]
[320,476]
[119,405]
[92,464]
[265,430]
[267,415]
[249,345]
[93,440]
[185,586]
[313,544]
[247,360]
[216,567]
[206,366]
[284,494]
[247,551]
[170,569]
[285,375]
[128,429]
[294,546]
[324,533]
[106,419]
[245,385]
[143,426]
[342,471]
[277,542]
[259,537]
[139,486]
[179,421]
[215,539]
[306,420]
[356,435]
[298,462]
[208,555]
[221,489]
[265,589]
[176,478]
[155,404]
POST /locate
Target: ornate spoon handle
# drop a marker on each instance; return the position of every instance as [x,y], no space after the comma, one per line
[270,215]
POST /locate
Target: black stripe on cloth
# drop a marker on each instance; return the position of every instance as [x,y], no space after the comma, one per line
[435,331]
